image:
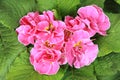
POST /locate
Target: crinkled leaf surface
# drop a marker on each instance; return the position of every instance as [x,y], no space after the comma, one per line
[91,2]
[12,10]
[111,6]
[85,73]
[108,67]
[9,49]
[104,68]
[64,7]
[118,1]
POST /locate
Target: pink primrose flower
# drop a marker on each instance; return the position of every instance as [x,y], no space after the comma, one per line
[80,50]
[59,46]
[74,24]
[63,58]
[54,31]
[94,19]
[34,26]
[45,60]
[26,30]
[57,43]
[48,44]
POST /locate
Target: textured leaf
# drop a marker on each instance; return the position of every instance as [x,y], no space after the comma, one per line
[118,1]
[9,49]
[12,10]
[111,42]
[10,13]
[111,6]
[104,68]
[91,2]
[68,7]
[85,73]
[108,67]
[23,70]
[46,5]
[64,7]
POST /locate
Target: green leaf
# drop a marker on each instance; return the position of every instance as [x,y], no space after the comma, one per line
[43,5]
[111,6]
[68,7]
[91,2]
[118,1]
[22,70]
[111,42]
[64,7]
[10,13]
[104,68]
[85,73]
[9,49]
[108,67]
[56,14]
[12,10]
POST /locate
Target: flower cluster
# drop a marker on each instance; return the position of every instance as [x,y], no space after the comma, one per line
[57,43]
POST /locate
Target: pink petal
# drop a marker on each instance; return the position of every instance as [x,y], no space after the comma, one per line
[23,29]
[43,67]
[67,19]
[94,19]
[31,39]
[23,39]
[88,11]
[69,53]
[91,53]
[43,35]
[63,59]
[80,35]
[42,25]
[54,68]
[49,15]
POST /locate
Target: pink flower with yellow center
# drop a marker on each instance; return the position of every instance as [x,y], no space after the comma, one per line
[94,19]
[91,19]
[74,24]
[54,31]
[26,30]
[80,50]
[45,60]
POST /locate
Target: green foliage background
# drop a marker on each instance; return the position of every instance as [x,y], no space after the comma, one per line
[14,57]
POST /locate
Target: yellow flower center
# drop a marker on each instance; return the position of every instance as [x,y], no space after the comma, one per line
[47,44]
[78,44]
[50,27]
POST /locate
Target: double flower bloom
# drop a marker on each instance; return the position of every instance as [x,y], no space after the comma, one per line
[57,43]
